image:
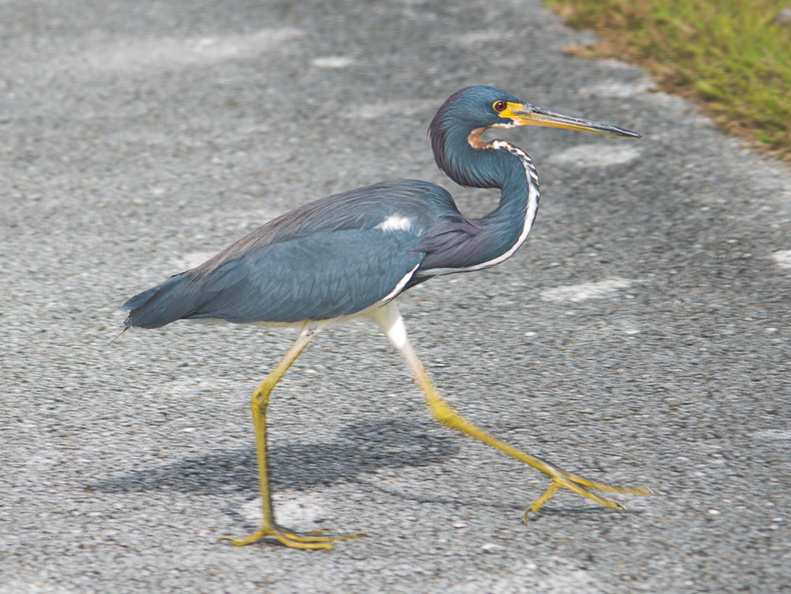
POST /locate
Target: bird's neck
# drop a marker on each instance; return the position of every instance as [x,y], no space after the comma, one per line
[471,162]
[520,193]
[496,164]
[517,176]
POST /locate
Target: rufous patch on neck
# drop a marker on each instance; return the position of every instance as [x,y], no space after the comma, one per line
[474,139]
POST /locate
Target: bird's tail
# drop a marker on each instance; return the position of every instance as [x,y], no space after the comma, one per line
[160,305]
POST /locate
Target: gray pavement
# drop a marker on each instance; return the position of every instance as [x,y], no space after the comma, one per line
[640,337]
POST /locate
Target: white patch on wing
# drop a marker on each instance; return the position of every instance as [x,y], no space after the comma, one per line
[395,223]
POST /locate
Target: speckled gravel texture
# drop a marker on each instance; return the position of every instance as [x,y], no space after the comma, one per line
[640,337]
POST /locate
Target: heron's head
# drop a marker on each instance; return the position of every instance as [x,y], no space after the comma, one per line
[476,109]
[456,131]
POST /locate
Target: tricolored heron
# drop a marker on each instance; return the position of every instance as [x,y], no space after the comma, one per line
[351,254]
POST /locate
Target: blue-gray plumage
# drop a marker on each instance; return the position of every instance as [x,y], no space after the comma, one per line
[330,258]
[353,253]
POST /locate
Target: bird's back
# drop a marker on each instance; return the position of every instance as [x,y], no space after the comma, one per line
[330,258]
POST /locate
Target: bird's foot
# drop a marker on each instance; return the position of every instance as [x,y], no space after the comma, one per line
[289,538]
[564,480]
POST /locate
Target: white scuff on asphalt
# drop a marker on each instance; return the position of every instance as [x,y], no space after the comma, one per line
[585,291]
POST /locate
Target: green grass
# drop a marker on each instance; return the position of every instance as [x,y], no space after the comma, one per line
[728,55]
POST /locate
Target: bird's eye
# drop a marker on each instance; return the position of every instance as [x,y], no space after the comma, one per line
[499,106]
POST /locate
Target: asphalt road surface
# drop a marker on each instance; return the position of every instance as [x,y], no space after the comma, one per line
[640,337]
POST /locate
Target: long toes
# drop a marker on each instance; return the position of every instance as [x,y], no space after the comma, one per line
[240,542]
[317,536]
[574,486]
[302,542]
[289,538]
[583,487]
[609,488]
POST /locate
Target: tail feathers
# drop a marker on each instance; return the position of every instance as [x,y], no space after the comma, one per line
[160,305]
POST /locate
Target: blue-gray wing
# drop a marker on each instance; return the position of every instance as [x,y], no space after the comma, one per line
[333,257]
[320,276]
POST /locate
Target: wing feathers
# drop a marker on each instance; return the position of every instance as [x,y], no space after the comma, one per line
[322,276]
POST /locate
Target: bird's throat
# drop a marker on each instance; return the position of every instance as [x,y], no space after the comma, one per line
[474,139]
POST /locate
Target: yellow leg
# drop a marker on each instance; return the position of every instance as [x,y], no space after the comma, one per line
[260,400]
[389,319]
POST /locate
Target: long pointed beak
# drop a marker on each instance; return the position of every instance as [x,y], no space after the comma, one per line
[529,115]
